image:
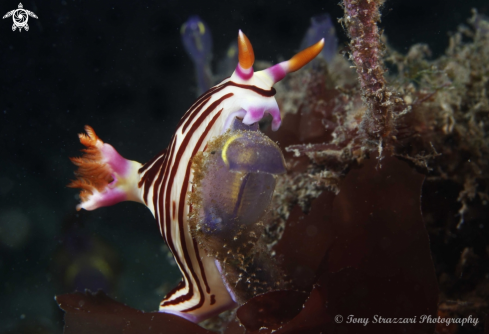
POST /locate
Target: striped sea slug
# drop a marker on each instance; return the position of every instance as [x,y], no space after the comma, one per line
[164,183]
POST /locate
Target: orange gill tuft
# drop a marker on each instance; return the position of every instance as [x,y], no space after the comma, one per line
[93,173]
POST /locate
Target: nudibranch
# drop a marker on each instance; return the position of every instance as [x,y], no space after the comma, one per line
[165,182]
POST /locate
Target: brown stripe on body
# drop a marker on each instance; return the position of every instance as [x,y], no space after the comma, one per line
[163,200]
[153,159]
[193,113]
[182,205]
[159,194]
[183,193]
[196,103]
[186,180]
[168,223]
[201,266]
[167,235]
[206,96]
[167,232]
[148,177]
[262,92]
[206,112]
[190,115]
[179,286]
[158,205]
[157,191]
[202,97]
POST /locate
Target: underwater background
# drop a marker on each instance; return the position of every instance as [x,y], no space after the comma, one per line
[120,67]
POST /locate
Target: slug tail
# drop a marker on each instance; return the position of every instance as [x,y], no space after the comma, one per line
[104,177]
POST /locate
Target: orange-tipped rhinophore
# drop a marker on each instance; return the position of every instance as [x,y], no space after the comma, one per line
[246,55]
[279,71]
[305,56]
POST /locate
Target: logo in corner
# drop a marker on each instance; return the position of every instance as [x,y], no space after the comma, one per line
[20,17]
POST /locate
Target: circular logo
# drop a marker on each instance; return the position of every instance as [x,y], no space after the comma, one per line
[20,17]
[338,319]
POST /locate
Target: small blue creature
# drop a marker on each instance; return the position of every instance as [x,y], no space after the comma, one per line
[197,40]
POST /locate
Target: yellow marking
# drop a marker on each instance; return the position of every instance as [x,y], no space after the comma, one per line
[182,29]
[225,148]
[231,51]
[201,27]
[96,262]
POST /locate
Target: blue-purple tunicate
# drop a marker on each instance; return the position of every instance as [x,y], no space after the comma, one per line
[197,40]
[322,27]
[235,181]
